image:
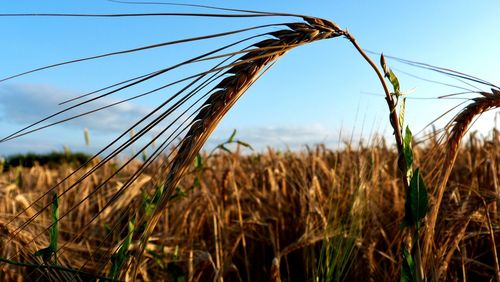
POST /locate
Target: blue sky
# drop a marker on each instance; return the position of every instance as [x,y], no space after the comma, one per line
[314,94]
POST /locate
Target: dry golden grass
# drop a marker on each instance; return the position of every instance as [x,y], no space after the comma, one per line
[262,216]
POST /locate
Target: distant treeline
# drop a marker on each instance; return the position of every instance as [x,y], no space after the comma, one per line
[52,159]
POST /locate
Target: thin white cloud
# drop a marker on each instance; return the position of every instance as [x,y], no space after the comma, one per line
[293,137]
[25,104]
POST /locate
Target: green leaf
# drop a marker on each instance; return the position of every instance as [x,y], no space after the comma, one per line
[118,259]
[394,81]
[418,198]
[225,148]
[408,152]
[388,73]
[196,182]
[158,193]
[402,110]
[408,269]
[198,162]
[55,222]
[158,258]
[148,203]
[245,144]
[179,193]
[47,252]
[231,138]
[149,209]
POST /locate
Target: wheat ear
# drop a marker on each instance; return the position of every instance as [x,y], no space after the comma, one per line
[228,91]
[457,129]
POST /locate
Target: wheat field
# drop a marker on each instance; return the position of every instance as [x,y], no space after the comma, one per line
[237,214]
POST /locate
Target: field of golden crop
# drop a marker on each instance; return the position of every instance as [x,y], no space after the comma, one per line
[259,217]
